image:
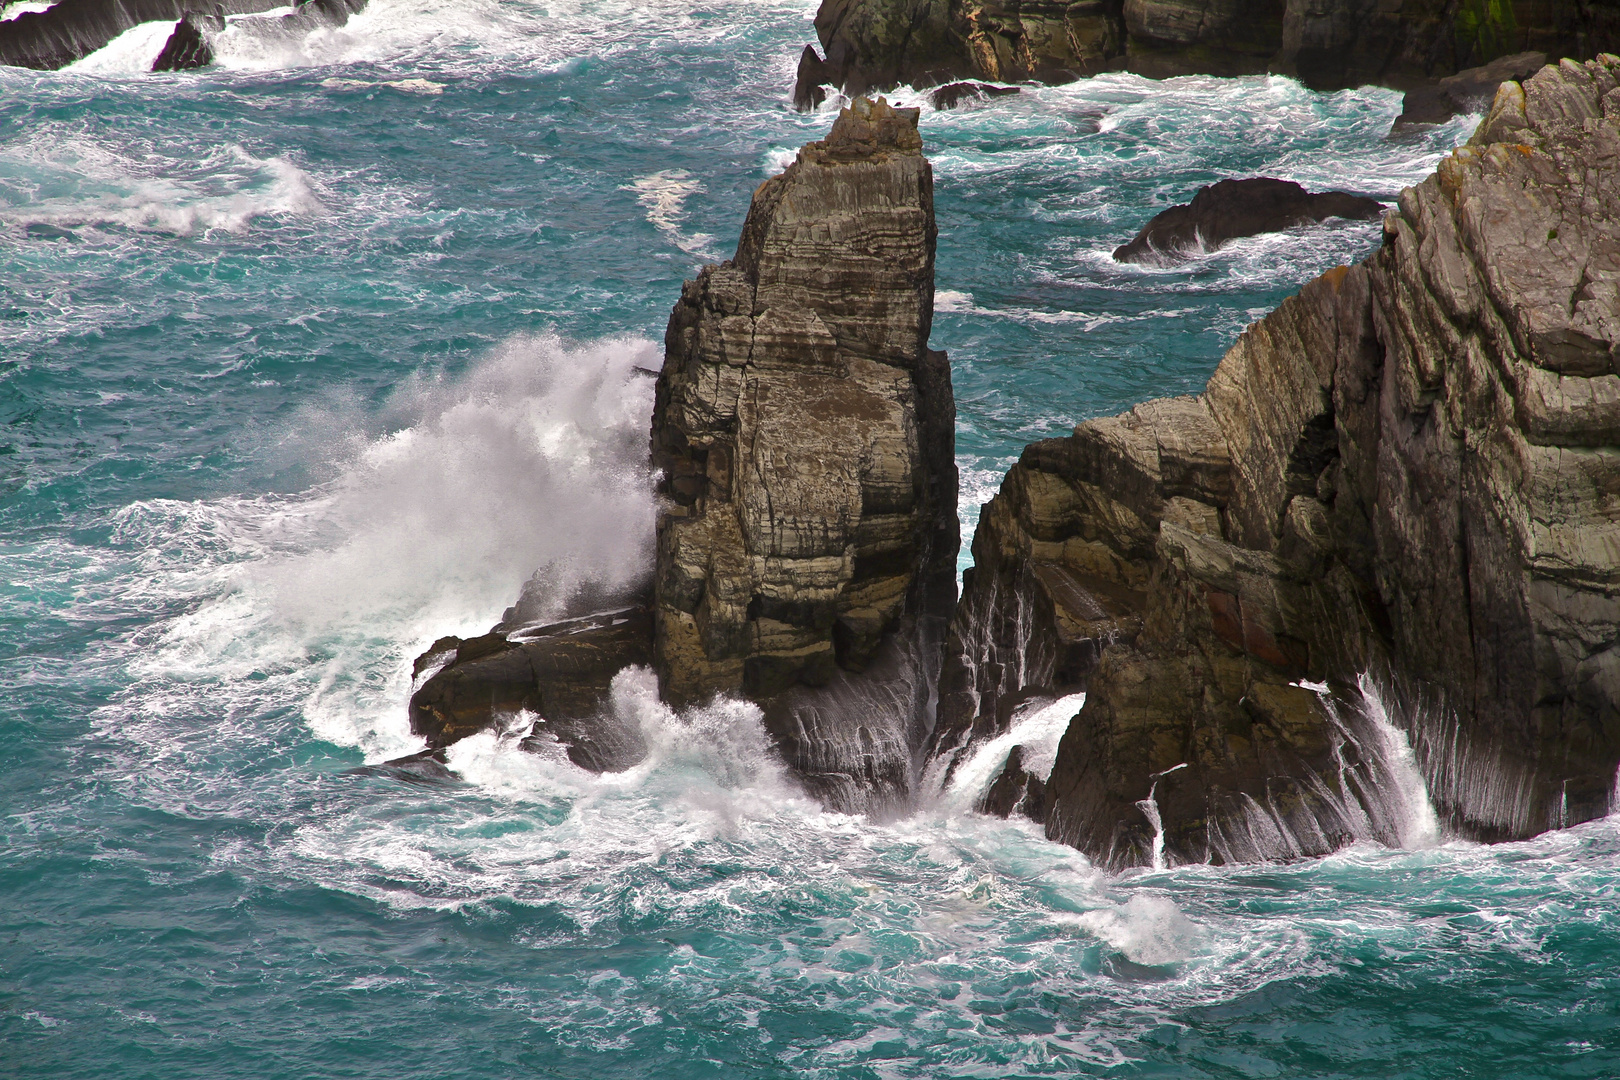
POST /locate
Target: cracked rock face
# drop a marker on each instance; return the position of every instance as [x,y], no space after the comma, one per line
[804,430]
[1411,468]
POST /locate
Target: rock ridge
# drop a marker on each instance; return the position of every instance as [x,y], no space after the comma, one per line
[1396,499]
[1327,44]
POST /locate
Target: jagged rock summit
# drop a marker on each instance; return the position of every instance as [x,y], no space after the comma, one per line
[805,433]
[1409,469]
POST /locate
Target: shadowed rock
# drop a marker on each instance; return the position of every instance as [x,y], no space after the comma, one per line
[1468,91]
[1015,791]
[188,47]
[1230,209]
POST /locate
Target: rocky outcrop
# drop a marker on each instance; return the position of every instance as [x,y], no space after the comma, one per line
[1410,468]
[1327,44]
[805,431]
[1229,209]
[73,29]
[188,47]
[553,680]
[1469,91]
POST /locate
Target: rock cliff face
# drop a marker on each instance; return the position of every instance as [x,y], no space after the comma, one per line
[1327,44]
[805,432]
[1411,468]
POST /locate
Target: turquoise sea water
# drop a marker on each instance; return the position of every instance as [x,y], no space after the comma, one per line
[312,357]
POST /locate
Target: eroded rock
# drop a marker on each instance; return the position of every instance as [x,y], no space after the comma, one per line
[1409,468]
[805,432]
[1229,209]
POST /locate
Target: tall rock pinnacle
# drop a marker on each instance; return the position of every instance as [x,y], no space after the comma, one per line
[807,536]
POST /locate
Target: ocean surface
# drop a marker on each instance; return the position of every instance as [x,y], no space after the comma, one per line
[311,357]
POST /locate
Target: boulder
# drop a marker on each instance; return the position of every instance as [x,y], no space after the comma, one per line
[1469,91]
[1229,209]
[1406,472]
[804,432]
[1015,790]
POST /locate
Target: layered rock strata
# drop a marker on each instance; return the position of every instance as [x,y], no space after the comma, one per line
[805,432]
[1327,44]
[1229,209]
[1410,468]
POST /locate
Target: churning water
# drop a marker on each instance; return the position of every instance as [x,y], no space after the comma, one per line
[311,357]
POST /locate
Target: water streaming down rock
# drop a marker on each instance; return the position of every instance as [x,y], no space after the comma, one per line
[1404,469]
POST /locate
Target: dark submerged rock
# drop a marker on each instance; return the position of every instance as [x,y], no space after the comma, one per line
[1230,209]
[427,768]
[951,95]
[559,673]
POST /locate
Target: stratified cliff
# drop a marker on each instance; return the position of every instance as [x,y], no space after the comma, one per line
[1412,468]
[1327,44]
[805,432]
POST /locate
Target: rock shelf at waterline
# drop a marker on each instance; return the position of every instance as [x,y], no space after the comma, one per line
[1398,472]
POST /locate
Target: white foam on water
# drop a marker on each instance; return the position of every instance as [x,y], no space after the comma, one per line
[130,53]
[1037,726]
[80,181]
[534,457]
[1148,930]
[663,196]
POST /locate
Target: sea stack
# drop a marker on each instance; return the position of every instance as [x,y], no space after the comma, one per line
[805,434]
[1397,495]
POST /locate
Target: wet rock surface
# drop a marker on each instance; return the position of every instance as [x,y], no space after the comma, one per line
[1229,209]
[1469,91]
[1409,468]
[73,29]
[805,432]
[1327,44]
[187,47]
[554,680]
